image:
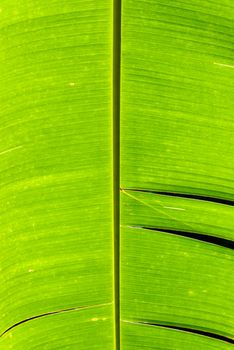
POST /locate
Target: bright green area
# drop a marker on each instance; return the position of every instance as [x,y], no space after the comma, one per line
[172,280]
[56,172]
[183,214]
[177,96]
[81,329]
[138,337]
[176,136]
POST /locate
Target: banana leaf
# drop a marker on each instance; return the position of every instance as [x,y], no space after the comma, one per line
[177,175]
[82,83]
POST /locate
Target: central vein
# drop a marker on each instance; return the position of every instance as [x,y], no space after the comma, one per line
[116,157]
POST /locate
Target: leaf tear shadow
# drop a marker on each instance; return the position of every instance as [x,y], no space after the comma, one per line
[183,195]
[189,233]
[78,308]
[203,333]
[223,242]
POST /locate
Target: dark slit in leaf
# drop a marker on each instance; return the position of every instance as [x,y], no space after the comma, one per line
[226,243]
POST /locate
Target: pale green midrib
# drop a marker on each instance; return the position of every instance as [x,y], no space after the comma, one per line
[116,161]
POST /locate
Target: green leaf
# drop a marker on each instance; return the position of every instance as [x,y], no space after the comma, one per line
[177,97]
[88,328]
[177,175]
[140,336]
[73,274]
[56,175]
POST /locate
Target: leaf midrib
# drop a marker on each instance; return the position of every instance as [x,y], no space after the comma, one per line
[116,84]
